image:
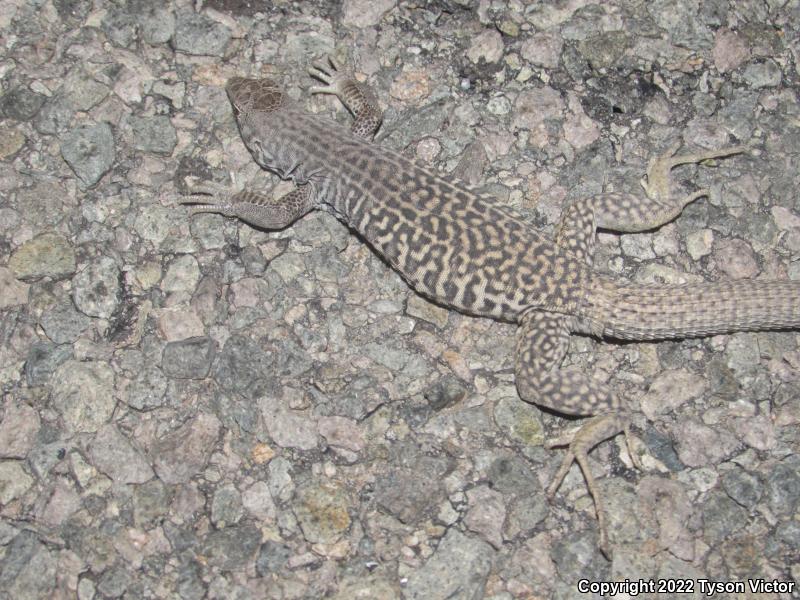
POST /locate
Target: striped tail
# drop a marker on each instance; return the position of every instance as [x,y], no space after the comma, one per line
[652,312]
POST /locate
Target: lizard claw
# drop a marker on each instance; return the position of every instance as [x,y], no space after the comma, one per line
[330,73]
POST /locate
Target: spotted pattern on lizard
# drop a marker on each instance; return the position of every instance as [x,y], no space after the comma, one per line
[464,250]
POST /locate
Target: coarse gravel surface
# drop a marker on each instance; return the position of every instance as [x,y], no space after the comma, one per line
[193,408]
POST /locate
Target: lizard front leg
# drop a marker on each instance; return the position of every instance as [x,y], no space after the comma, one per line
[358,98]
[254,208]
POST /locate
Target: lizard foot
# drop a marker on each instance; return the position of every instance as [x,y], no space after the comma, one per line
[331,74]
[591,433]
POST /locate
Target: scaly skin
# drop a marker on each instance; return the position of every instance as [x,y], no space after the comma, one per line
[464,250]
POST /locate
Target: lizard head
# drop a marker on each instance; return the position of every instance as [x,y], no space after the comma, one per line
[253,95]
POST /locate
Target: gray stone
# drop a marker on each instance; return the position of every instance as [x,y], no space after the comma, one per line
[113,454]
[698,445]
[743,487]
[721,516]
[96,290]
[195,33]
[412,488]
[21,103]
[154,134]
[783,487]
[458,569]
[89,151]
[55,117]
[18,429]
[156,21]
[150,502]
[232,548]
[287,427]
[322,511]
[47,255]
[519,421]
[43,359]
[181,454]
[81,90]
[63,324]
[244,367]
[272,556]
[114,581]
[486,514]
[148,389]
[226,506]
[763,74]
[83,393]
[188,359]
[12,291]
[14,481]
[28,569]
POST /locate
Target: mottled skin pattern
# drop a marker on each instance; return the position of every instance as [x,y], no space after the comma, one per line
[464,250]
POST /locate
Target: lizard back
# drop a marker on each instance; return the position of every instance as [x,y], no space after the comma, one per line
[449,242]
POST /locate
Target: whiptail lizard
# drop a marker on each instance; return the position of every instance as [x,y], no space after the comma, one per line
[464,250]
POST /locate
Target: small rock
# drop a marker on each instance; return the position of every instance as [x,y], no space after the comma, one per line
[743,487]
[699,243]
[533,107]
[736,259]
[64,501]
[28,569]
[487,47]
[226,506]
[288,428]
[271,558]
[197,34]
[258,501]
[12,292]
[411,86]
[183,453]
[458,569]
[420,308]
[18,430]
[365,13]
[763,74]
[154,134]
[232,548]
[730,50]
[182,275]
[543,50]
[21,103]
[14,481]
[486,514]
[113,454]
[322,512]
[519,421]
[83,393]
[47,255]
[188,359]
[43,359]
[148,389]
[699,446]
[341,432]
[670,390]
[89,151]
[63,324]
[96,289]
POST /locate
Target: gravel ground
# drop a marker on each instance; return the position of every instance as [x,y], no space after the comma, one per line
[196,409]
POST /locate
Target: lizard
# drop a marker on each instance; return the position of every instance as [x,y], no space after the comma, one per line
[463,249]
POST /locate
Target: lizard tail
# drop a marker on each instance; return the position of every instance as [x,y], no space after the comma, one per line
[651,312]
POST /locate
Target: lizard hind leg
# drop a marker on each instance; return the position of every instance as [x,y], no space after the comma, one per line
[542,342]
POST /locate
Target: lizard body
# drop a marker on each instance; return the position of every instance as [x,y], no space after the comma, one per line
[462,249]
